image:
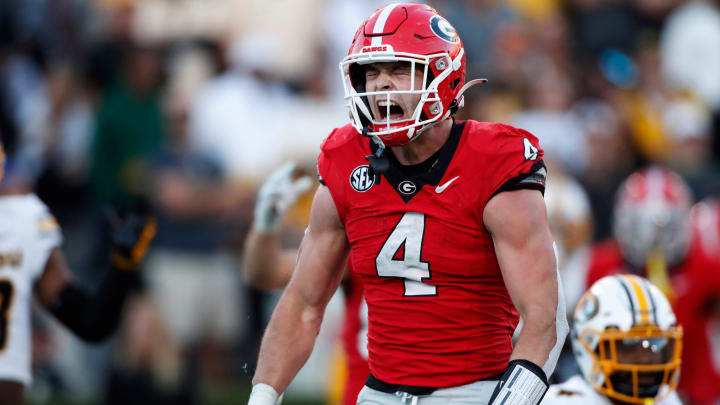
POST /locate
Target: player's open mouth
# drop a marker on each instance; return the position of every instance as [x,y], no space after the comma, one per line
[396,112]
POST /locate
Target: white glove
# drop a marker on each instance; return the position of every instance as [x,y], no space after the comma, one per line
[263,394]
[276,196]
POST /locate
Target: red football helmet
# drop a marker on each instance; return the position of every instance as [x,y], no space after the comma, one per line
[414,33]
[652,215]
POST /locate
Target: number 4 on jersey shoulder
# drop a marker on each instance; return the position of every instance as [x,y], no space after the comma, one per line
[530,151]
[401,254]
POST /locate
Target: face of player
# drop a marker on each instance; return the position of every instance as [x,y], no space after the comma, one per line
[641,352]
[389,76]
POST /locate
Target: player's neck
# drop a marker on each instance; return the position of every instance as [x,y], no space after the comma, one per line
[425,145]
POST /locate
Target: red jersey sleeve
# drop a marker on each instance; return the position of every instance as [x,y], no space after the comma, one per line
[328,173]
[515,160]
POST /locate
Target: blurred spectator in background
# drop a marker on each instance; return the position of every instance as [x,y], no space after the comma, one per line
[690,50]
[688,125]
[591,21]
[192,278]
[690,55]
[23,89]
[107,54]
[148,368]
[477,21]
[234,117]
[129,130]
[548,117]
[610,157]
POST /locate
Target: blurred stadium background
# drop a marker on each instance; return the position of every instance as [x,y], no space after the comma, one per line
[191,103]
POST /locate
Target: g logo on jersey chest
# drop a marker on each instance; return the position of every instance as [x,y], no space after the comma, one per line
[407,187]
[361,179]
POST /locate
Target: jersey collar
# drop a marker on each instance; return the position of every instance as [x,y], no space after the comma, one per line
[407,181]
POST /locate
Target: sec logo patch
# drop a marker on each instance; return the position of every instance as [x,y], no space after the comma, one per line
[361,179]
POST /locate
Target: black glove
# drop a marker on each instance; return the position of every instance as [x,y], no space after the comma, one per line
[524,383]
[131,237]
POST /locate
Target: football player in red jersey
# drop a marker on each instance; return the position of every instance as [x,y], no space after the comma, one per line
[267,266]
[658,236]
[443,222]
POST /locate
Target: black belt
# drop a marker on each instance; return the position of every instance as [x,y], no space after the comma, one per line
[388,388]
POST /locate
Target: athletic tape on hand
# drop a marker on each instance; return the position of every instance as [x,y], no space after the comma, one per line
[263,394]
[520,385]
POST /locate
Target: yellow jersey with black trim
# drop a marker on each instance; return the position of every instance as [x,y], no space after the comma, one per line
[28,233]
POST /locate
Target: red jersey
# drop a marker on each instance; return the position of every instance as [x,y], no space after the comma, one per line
[354,337]
[695,284]
[439,312]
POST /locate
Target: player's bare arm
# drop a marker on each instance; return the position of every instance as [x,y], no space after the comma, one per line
[295,323]
[524,248]
[54,278]
[265,264]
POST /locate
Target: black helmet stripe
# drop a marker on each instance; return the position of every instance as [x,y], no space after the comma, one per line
[652,301]
[627,291]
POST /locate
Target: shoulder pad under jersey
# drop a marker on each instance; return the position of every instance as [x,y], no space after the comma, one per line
[489,135]
[339,137]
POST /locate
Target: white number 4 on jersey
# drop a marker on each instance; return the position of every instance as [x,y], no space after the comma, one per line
[531,152]
[408,233]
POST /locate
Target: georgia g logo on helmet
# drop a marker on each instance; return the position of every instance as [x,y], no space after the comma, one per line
[443,29]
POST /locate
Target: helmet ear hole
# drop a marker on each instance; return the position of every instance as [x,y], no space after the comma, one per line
[357,80]
[357,77]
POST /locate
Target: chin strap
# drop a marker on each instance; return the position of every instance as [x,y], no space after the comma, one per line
[379,162]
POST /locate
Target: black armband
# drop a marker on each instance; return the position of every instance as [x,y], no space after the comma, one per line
[94,317]
[524,383]
[534,180]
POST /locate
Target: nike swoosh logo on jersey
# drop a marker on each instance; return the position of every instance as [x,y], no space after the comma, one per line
[441,188]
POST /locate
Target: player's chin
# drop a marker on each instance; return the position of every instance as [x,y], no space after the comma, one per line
[648,383]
